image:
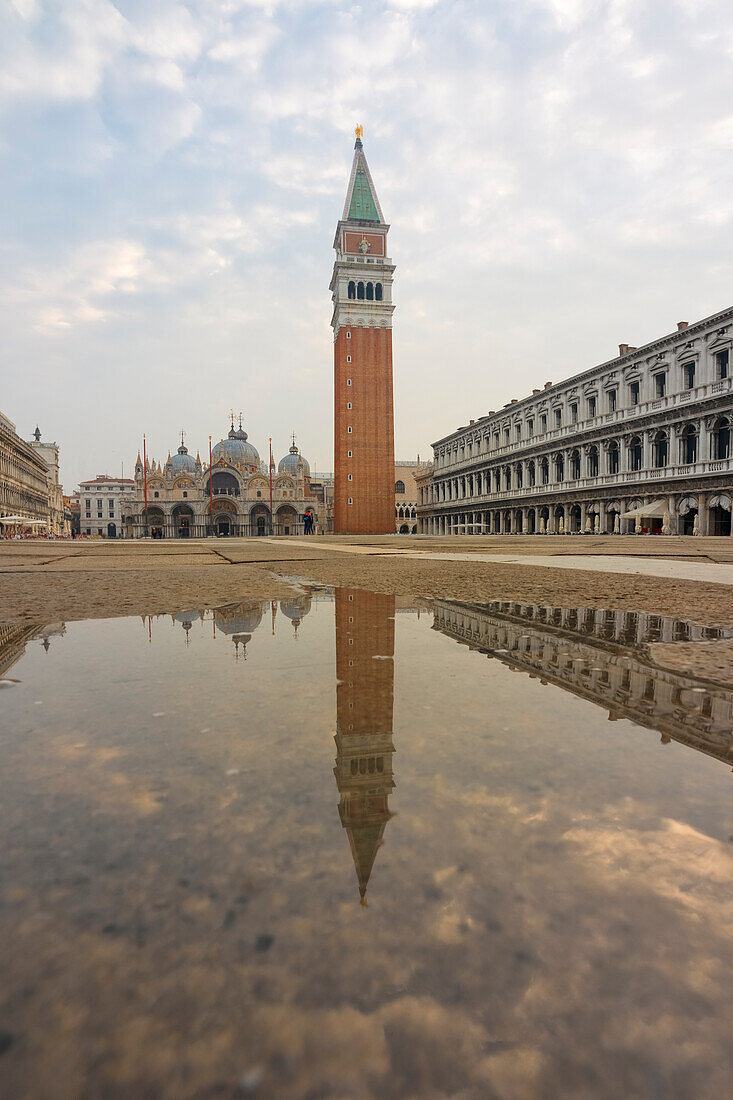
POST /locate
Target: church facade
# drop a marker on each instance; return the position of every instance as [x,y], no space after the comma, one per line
[187,498]
[361,289]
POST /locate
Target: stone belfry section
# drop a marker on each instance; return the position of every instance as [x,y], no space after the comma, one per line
[361,288]
[364,701]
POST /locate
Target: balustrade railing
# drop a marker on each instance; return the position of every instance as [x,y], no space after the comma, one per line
[695,469]
[618,416]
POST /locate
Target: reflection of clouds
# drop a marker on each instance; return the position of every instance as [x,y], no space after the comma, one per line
[674,860]
[534,923]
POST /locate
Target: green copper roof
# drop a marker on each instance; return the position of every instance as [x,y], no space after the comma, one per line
[363,206]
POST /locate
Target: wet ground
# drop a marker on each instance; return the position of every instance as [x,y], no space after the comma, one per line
[355,845]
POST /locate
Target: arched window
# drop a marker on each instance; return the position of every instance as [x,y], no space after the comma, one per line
[635,453]
[659,450]
[507,477]
[352,289]
[360,292]
[613,457]
[593,462]
[378,292]
[544,471]
[520,475]
[559,468]
[575,465]
[399,486]
[688,445]
[531,472]
[370,292]
[721,438]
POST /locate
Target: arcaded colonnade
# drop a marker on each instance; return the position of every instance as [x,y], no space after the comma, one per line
[648,433]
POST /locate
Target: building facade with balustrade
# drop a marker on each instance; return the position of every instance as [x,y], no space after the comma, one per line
[25,489]
[641,442]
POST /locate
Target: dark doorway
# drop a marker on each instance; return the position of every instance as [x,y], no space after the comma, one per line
[719,521]
[111,531]
[688,522]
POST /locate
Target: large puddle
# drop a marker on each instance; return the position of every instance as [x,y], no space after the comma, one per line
[318,849]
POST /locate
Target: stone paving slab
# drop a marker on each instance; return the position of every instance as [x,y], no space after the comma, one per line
[715,572]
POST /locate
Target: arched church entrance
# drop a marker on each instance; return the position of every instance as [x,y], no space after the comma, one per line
[154,523]
[223,518]
[286,520]
[260,522]
[182,521]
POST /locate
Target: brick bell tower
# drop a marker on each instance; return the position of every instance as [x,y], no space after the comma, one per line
[361,288]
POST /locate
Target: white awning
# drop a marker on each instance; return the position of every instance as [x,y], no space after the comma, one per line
[644,511]
[23,521]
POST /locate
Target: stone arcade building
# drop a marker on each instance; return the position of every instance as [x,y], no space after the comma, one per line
[642,442]
[24,481]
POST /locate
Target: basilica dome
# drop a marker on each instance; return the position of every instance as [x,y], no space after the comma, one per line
[236,449]
[182,461]
[242,618]
[289,464]
[297,608]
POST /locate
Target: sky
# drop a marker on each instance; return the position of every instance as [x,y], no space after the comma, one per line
[557,175]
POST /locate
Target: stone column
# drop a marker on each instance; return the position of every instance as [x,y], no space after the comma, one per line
[646,458]
[703,513]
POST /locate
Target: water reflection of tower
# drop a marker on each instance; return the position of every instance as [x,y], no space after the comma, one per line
[364,701]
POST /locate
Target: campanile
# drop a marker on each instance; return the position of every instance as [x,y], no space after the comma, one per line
[361,288]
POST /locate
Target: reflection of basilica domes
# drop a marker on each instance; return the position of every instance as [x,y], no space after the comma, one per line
[236,449]
[296,609]
[238,618]
[182,461]
[289,464]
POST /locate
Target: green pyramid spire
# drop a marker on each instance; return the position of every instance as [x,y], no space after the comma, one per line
[362,206]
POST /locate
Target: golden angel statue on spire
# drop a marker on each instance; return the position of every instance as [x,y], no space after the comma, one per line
[359,132]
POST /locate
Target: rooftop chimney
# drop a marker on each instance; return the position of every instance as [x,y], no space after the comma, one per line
[548,385]
[536,391]
[513,401]
[681,325]
[624,349]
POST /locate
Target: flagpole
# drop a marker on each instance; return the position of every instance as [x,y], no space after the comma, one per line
[211,491]
[271,527]
[145,483]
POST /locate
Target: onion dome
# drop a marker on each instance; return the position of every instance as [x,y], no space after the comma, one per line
[238,618]
[296,610]
[182,461]
[292,460]
[235,449]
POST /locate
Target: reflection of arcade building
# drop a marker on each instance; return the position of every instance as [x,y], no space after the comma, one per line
[13,640]
[583,651]
[364,702]
[186,499]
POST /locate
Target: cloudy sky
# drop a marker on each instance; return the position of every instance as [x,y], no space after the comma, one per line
[557,174]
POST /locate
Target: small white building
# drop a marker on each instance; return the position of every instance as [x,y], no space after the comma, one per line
[100,505]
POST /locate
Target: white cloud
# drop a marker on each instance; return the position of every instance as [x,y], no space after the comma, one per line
[534,157]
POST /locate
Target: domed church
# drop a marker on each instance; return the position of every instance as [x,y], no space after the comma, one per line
[187,498]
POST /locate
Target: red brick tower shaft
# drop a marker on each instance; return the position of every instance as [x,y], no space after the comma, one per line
[362,324]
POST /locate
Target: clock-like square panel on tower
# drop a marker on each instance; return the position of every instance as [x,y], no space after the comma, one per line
[361,288]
